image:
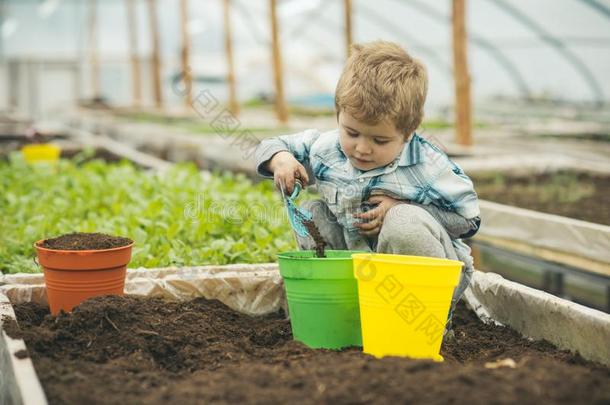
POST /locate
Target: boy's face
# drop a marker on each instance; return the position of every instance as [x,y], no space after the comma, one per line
[369,146]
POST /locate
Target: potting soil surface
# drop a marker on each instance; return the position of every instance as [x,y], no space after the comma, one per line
[572,194]
[85,241]
[141,350]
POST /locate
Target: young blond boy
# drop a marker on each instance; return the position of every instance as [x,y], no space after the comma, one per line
[383,187]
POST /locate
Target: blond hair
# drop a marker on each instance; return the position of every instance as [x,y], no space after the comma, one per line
[381,81]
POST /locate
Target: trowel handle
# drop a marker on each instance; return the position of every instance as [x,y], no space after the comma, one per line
[298,186]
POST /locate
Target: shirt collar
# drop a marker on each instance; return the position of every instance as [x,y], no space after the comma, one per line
[412,153]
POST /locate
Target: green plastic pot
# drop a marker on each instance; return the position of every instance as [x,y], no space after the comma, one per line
[322,298]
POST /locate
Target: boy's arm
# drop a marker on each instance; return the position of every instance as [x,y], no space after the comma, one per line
[457,206]
[298,144]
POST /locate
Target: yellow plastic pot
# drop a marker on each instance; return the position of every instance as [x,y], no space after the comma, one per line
[404,303]
[41,152]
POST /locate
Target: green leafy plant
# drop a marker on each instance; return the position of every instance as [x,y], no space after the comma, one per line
[176,218]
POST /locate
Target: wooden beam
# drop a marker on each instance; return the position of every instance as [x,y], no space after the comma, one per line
[186,53]
[132,29]
[233,104]
[461,76]
[156,56]
[348,25]
[280,101]
[94,58]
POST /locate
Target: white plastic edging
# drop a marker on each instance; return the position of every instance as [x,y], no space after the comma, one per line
[580,238]
[19,383]
[526,163]
[539,315]
[253,289]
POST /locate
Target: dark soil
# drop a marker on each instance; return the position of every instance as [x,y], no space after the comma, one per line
[85,241]
[572,194]
[316,235]
[136,350]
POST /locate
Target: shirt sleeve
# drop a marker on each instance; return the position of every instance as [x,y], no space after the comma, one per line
[298,144]
[453,191]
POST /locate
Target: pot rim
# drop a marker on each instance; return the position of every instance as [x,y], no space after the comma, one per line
[90,251]
[287,255]
[386,258]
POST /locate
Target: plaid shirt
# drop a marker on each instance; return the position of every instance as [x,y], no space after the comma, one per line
[422,173]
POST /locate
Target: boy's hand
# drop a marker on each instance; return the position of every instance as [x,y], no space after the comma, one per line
[286,169]
[373,219]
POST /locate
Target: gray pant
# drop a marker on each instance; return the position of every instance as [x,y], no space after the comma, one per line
[406,230]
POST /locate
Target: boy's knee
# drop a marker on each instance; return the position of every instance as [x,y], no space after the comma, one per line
[406,221]
[408,229]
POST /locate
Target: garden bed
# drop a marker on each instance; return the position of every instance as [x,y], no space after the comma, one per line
[571,194]
[148,350]
[176,217]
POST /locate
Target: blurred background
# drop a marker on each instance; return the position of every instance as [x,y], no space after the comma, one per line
[519,51]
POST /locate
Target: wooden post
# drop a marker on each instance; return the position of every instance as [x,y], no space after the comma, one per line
[2,14]
[156,57]
[233,104]
[93,49]
[13,84]
[186,54]
[132,29]
[461,75]
[348,25]
[280,102]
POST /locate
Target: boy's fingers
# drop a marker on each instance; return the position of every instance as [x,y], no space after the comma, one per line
[284,182]
[368,226]
[303,175]
[372,214]
[289,184]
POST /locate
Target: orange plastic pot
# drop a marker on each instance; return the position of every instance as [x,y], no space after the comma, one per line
[72,276]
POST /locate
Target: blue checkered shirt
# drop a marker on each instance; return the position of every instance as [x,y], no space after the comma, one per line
[422,174]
